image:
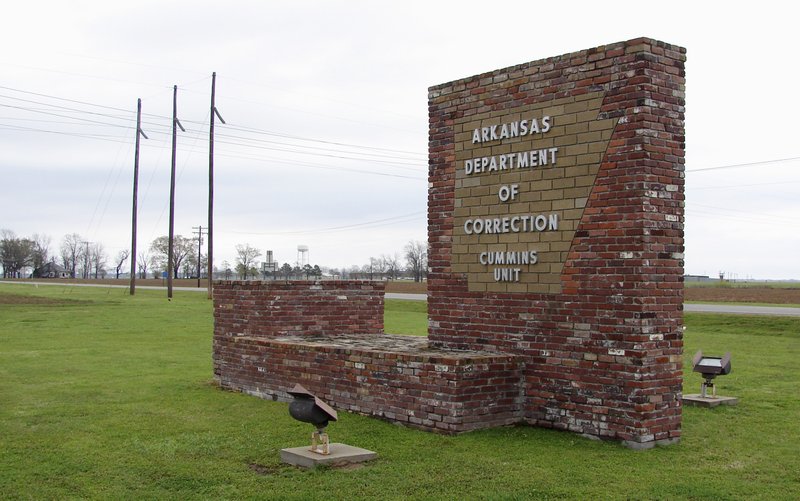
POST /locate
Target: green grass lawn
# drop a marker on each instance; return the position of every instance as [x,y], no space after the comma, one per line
[109,396]
[770,284]
[405,317]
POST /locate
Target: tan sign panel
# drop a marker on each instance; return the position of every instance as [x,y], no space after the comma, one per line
[522,181]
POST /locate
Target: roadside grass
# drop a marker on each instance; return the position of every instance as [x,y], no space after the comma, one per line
[743,303]
[105,395]
[405,317]
[726,284]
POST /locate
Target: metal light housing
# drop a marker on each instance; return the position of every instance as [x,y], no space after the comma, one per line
[710,367]
[310,409]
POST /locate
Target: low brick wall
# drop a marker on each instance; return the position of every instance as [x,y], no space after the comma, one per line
[397,378]
[273,308]
[329,337]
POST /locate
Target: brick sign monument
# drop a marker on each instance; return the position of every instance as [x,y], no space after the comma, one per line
[555,232]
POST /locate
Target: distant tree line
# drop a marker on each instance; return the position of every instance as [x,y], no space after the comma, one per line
[385,267]
[76,257]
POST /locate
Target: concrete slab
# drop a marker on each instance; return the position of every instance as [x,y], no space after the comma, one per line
[699,401]
[341,454]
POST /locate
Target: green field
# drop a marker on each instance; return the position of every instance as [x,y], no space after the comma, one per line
[745,284]
[111,397]
[405,317]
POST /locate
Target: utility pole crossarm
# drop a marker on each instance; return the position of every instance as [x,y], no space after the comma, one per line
[216,112]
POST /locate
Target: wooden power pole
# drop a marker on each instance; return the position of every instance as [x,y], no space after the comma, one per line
[210,230]
[199,231]
[139,132]
[170,252]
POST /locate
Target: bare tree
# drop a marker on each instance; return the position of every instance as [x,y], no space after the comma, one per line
[122,256]
[245,259]
[41,249]
[392,265]
[71,252]
[417,259]
[377,265]
[226,270]
[97,257]
[142,261]
[355,272]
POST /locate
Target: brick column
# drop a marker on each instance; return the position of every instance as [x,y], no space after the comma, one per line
[597,316]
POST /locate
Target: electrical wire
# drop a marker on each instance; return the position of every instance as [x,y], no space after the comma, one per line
[748,164]
[332,229]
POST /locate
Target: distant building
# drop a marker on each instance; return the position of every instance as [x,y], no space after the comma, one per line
[698,278]
[50,270]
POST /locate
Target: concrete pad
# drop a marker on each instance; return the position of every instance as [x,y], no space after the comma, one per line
[341,454]
[699,401]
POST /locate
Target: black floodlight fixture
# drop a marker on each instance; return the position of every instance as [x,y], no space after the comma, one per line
[309,409]
[710,367]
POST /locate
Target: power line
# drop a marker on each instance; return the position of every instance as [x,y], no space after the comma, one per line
[289,136]
[65,99]
[748,164]
[33,110]
[396,219]
[65,107]
[273,160]
[241,129]
[327,155]
[102,137]
[84,75]
[731,186]
[379,155]
[740,219]
[747,212]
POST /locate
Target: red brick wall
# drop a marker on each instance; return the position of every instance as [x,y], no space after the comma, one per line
[603,355]
[268,336]
[274,308]
[391,377]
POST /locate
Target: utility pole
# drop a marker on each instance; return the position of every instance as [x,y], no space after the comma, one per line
[170,252]
[214,112]
[139,132]
[199,231]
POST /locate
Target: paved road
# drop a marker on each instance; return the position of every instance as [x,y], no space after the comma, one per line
[409,297]
[743,309]
[700,308]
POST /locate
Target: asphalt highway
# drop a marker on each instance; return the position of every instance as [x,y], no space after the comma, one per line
[693,307]
[734,309]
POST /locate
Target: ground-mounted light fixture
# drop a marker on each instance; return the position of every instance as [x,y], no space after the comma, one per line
[710,367]
[310,409]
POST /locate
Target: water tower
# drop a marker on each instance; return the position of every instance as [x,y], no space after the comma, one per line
[302,255]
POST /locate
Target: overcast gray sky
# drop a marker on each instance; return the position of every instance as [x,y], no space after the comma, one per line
[326,108]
